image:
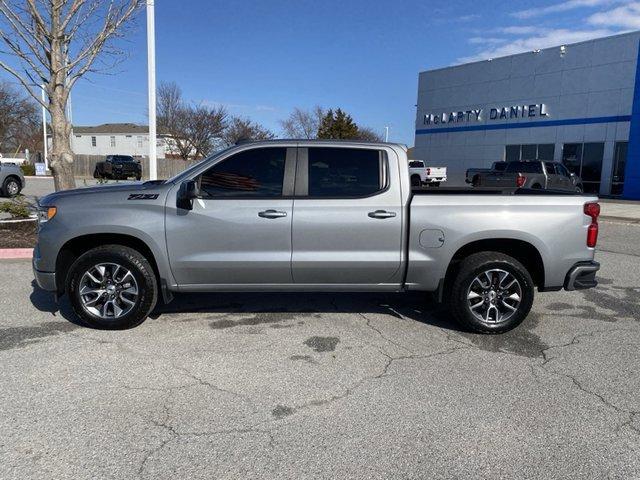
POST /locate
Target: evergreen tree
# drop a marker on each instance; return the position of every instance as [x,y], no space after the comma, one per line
[338,125]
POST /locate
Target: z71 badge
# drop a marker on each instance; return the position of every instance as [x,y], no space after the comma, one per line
[143,196]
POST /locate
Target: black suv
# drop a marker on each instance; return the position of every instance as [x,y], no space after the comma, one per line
[118,167]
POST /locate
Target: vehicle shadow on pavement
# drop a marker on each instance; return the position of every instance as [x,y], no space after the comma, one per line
[45,302]
[415,306]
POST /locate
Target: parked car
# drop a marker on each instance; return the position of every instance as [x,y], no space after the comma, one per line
[311,216]
[474,173]
[118,167]
[420,174]
[11,179]
[534,174]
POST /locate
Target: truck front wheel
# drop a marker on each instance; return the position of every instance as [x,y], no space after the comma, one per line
[112,287]
[491,292]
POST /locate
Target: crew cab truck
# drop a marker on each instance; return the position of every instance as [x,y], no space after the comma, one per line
[311,216]
[535,174]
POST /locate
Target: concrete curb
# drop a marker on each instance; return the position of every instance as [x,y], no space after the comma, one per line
[15,253]
[613,218]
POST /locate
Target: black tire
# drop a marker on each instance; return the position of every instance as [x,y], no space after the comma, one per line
[129,259]
[11,187]
[138,177]
[415,181]
[475,181]
[474,266]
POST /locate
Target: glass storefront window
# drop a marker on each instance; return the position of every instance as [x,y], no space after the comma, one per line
[585,160]
[543,151]
[546,151]
[572,157]
[529,152]
[512,153]
[619,164]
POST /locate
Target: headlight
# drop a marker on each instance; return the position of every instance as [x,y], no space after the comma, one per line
[46,213]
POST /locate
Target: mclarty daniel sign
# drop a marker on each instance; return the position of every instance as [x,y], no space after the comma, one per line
[496,113]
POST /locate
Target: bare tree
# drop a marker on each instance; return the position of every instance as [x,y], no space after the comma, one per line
[303,123]
[19,120]
[55,43]
[194,130]
[244,129]
[368,135]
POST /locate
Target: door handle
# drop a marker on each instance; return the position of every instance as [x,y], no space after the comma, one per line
[272,214]
[381,214]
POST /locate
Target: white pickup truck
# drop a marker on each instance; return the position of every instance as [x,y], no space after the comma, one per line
[420,174]
[290,215]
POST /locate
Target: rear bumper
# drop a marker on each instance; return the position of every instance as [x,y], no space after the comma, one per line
[581,276]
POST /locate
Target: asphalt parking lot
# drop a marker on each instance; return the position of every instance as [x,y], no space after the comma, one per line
[325,386]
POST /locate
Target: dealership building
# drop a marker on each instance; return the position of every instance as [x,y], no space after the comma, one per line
[578,104]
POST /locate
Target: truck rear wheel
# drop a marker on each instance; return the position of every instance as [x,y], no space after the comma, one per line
[415,181]
[112,287]
[491,293]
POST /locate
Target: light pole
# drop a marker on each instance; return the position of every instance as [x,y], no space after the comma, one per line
[386,134]
[151,67]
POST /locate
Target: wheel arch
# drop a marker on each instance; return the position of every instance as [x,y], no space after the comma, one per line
[523,251]
[77,246]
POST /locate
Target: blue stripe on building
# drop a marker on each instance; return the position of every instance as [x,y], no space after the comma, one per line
[631,189]
[541,123]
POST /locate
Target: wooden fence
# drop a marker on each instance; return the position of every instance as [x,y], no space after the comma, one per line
[84,165]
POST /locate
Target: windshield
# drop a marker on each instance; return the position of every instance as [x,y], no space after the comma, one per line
[416,164]
[184,174]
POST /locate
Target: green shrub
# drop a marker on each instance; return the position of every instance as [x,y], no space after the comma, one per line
[15,209]
[28,169]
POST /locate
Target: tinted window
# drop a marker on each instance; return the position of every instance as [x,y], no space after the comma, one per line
[562,169]
[500,166]
[415,164]
[252,173]
[344,172]
[551,168]
[122,158]
[524,167]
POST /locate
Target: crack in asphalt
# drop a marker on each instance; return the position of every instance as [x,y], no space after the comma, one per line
[576,383]
[379,332]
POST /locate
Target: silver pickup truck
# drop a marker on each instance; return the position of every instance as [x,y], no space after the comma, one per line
[311,216]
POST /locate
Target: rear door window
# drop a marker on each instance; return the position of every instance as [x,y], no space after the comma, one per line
[551,168]
[345,172]
[415,164]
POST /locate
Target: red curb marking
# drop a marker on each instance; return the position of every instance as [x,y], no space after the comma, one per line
[16,253]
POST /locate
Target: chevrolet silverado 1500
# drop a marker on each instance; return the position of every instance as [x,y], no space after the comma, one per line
[311,216]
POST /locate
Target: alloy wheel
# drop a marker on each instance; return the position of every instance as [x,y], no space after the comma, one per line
[494,296]
[108,291]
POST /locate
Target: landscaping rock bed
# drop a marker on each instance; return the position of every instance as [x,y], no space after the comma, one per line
[18,233]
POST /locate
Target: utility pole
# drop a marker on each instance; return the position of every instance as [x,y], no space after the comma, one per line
[151,67]
[386,134]
[44,130]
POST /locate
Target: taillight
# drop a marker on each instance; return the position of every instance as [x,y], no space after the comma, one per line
[520,179]
[592,210]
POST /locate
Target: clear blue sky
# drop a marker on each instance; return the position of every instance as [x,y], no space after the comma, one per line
[262,58]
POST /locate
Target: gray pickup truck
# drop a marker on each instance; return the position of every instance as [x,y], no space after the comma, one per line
[536,174]
[311,216]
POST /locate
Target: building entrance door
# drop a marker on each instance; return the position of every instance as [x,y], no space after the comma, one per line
[619,164]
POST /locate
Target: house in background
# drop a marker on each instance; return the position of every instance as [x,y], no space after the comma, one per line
[116,139]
